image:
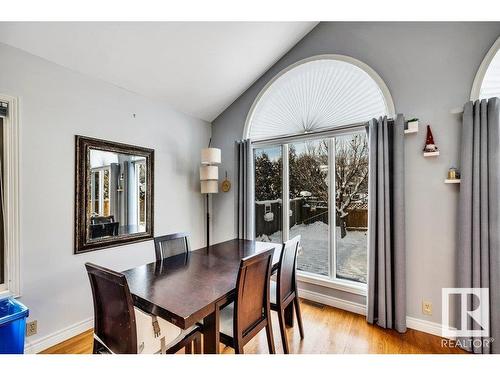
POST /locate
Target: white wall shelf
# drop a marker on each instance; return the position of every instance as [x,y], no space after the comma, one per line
[407,131]
[411,127]
[457,111]
[452,181]
[431,154]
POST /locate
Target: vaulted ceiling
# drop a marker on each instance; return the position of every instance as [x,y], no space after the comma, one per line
[199,68]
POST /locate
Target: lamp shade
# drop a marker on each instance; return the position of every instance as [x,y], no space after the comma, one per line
[210,156]
[209,186]
[209,172]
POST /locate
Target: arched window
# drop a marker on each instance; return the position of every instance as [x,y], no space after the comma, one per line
[310,160]
[319,93]
[487,81]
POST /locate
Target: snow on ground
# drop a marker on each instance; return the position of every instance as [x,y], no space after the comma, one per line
[351,250]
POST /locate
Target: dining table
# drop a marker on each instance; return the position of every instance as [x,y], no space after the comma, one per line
[191,288]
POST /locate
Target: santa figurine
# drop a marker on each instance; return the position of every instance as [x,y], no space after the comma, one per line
[430,146]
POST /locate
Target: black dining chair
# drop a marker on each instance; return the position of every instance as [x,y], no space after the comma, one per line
[171,245]
[250,312]
[121,328]
[284,290]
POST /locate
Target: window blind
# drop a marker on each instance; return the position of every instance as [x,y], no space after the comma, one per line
[491,82]
[315,96]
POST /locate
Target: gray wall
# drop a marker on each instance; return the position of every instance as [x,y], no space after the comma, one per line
[429,69]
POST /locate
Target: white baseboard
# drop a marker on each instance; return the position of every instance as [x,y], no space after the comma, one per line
[354,307]
[36,346]
[413,323]
[424,326]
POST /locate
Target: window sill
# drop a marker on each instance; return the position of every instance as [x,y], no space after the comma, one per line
[5,294]
[345,286]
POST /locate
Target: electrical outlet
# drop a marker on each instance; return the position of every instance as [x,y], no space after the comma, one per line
[31,328]
[427,308]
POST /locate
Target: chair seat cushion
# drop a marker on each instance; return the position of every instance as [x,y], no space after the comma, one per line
[226,320]
[147,343]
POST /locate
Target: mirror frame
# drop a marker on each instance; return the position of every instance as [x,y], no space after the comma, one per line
[82,191]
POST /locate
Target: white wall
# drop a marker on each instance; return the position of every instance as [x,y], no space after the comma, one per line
[429,69]
[55,105]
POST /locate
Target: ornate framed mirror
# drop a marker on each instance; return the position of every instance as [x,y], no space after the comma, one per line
[114,194]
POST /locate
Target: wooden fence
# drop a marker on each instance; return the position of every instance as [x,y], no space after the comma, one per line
[302,212]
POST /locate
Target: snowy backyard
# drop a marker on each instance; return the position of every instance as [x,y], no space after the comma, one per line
[351,250]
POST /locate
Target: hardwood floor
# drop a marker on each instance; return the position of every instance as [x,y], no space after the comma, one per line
[327,331]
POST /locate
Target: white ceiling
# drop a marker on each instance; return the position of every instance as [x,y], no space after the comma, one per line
[199,68]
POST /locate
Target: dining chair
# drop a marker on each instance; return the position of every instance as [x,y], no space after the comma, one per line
[250,312]
[121,328]
[171,244]
[284,289]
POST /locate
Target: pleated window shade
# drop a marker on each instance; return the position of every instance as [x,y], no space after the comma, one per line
[491,82]
[316,95]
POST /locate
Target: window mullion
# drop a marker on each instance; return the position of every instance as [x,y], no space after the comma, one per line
[286,194]
[332,245]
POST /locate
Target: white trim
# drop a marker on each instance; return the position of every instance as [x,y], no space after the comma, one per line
[332,208]
[339,303]
[389,103]
[57,337]
[11,196]
[481,72]
[137,165]
[285,187]
[424,326]
[4,293]
[344,286]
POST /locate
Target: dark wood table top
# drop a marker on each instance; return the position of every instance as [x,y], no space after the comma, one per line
[184,289]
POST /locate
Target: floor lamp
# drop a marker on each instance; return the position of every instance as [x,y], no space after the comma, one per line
[209,178]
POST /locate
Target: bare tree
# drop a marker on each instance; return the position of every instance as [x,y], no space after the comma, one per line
[306,172]
[351,174]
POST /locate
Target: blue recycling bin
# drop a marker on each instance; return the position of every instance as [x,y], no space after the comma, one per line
[13,316]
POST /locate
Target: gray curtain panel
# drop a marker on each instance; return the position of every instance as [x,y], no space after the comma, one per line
[478,257]
[245,191]
[386,302]
[2,206]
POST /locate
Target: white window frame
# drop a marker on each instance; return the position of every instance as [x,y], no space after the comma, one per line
[100,170]
[344,285]
[483,68]
[326,281]
[12,286]
[138,192]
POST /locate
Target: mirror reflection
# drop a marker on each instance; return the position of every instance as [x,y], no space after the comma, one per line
[117,187]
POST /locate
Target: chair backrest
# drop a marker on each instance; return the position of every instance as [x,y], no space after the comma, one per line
[252,293]
[171,244]
[286,270]
[102,219]
[114,317]
[103,230]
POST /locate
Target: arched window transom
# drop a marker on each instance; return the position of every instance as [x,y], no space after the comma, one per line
[317,94]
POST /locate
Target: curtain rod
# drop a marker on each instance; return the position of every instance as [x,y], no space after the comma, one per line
[317,134]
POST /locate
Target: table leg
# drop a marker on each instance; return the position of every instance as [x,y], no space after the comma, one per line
[289,315]
[211,333]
